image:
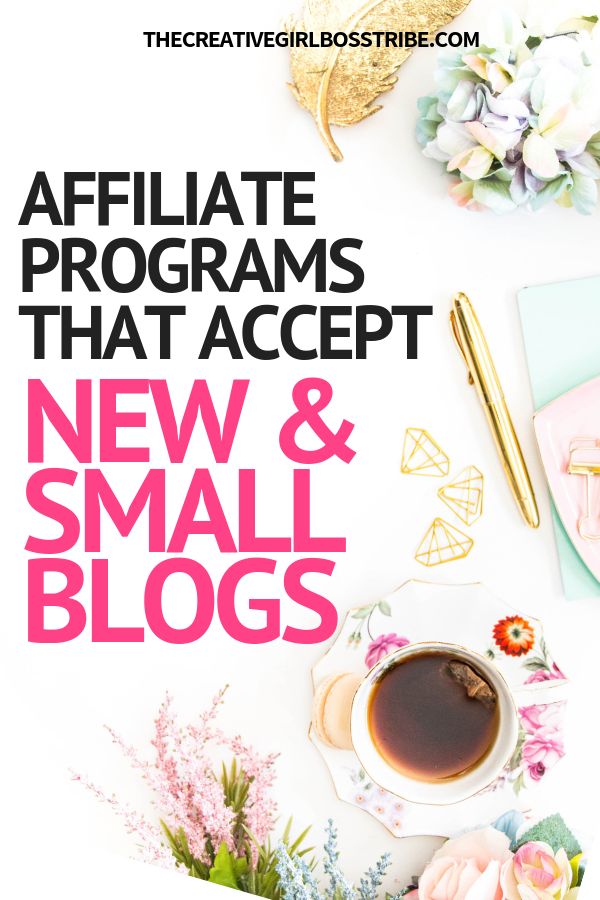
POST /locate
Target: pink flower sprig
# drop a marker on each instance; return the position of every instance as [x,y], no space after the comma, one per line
[190,797]
[151,846]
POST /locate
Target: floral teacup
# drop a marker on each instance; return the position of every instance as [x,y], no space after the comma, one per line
[463,785]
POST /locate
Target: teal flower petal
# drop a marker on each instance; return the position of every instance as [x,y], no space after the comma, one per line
[428,108]
[425,131]
[584,193]
[429,120]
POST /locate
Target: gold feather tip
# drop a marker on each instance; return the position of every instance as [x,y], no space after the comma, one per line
[339,85]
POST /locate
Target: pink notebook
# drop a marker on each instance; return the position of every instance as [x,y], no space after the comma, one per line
[568,435]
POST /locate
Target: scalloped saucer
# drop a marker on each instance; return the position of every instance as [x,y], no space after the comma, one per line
[471,616]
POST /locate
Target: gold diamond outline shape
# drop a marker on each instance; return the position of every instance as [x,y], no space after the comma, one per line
[430,553]
[439,460]
[467,508]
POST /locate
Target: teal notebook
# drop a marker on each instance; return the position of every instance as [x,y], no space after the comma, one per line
[561,331]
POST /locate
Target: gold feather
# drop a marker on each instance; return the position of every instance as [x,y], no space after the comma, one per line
[339,85]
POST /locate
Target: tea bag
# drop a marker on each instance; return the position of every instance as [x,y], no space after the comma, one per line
[475,686]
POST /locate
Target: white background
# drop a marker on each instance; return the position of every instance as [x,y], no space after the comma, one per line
[86,94]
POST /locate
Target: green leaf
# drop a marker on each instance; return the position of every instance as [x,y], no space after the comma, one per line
[240,865]
[575,862]
[535,663]
[362,613]
[519,784]
[226,869]
[553,831]
[295,847]
[502,174]
[584,193]
[551,190]
[385,607]
[518,751]
[593,145]
[533,41]
[181,851]
[493,194]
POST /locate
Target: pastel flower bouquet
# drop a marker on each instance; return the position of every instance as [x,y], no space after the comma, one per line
[516,121]
[212,823]
[216,824]
[506,861]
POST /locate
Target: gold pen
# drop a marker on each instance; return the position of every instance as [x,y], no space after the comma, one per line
[482,373]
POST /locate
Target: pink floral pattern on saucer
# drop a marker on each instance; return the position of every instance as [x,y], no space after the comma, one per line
[419,611]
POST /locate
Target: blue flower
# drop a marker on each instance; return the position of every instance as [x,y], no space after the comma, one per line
[509,824]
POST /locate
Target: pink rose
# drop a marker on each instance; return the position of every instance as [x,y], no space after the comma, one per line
[541,752]
[536,873]
[383,645]
[545,715]
[536,771]
[467,868]
[545,675]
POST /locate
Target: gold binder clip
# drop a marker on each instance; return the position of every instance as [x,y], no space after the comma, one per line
[584,459]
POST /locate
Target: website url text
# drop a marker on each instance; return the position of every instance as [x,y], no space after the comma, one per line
[248,39]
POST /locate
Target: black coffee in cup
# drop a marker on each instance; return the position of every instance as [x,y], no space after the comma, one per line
[432,716]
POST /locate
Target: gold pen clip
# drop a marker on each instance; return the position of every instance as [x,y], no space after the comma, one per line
[458,342]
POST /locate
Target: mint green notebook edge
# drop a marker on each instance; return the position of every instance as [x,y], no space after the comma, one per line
[561,321]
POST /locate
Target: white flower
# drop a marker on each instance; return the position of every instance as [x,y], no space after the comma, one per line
[563,91]
[544,17]
[518,119]
[504,31]
[564,129]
